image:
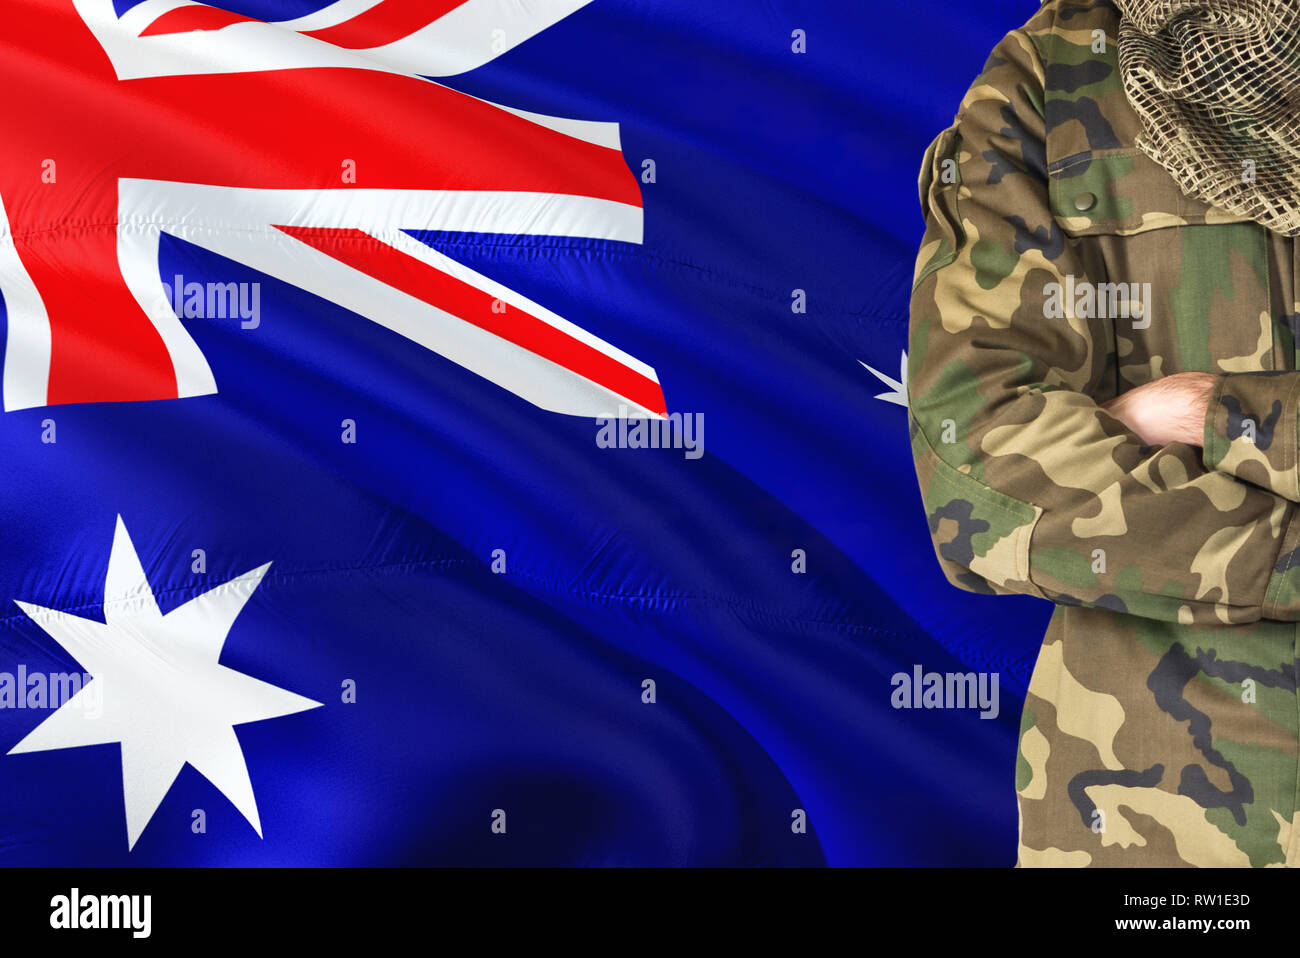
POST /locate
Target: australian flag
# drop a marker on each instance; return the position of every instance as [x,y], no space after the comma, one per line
[471,432]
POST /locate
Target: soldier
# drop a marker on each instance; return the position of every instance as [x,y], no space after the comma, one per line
[1103,395]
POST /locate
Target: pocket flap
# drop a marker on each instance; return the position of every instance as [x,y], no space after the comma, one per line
[1123,192]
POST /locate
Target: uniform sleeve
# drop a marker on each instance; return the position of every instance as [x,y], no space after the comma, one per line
[1029,486]
[1250,430]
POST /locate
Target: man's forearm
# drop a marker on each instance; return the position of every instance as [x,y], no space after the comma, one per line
[1169,409]
[1245,422]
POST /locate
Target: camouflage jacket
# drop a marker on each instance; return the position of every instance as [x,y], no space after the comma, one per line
[1061,266]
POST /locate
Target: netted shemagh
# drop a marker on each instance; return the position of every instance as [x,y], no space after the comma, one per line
[1216,84]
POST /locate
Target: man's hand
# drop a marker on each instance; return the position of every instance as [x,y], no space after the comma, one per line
[1170,409]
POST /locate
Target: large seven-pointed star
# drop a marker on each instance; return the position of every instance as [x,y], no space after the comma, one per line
[164,695]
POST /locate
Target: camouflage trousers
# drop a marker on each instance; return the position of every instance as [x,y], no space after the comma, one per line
[1144,743]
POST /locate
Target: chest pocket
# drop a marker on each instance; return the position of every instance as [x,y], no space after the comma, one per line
[1186,286]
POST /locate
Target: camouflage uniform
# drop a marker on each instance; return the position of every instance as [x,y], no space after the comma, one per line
[1161,722]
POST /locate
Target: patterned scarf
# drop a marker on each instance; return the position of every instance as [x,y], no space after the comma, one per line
[1216,84]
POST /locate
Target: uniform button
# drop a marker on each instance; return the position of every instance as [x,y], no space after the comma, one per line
[1084,202]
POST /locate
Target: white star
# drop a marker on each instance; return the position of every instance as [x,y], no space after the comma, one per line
[165,697]
[898,386]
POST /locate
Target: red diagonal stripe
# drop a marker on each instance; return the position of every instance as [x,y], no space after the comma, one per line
[188,19]
[103,348]
[389,265]
[385,22]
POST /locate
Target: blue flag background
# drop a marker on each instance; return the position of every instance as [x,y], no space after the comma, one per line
[775,172]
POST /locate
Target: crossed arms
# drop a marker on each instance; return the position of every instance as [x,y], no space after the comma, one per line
[1146,503]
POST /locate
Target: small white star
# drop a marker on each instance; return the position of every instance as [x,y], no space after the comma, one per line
[898,386]
[165,697]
